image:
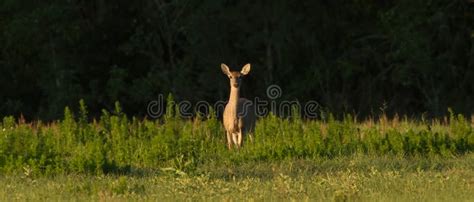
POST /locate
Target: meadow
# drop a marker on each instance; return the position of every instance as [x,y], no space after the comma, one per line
[118,157]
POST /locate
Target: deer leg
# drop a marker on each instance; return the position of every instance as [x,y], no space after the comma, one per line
[249,135]
[234,138]
[239,139]
[229,140]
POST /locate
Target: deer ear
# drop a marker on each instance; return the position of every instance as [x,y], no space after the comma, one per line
[245,70]
[225,69]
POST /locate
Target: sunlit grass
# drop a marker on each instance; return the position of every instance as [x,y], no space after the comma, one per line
[384,178]
[117,157]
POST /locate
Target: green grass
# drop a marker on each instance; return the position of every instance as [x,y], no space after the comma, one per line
[382,178]
[120,157]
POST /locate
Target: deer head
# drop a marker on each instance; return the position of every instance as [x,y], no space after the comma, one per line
[235,77]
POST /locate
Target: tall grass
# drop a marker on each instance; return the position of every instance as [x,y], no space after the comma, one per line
[117,143]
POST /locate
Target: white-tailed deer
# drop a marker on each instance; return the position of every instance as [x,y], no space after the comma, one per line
[239,114]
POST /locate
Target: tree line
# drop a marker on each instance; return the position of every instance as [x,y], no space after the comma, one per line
[359,56]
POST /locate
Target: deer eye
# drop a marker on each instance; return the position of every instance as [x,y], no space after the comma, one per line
[230,76]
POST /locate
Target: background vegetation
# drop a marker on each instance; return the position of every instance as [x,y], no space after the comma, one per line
[117,157]
[412,56]
[117,144]
[362,60]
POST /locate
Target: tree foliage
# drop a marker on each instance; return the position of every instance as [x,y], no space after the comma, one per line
[413,56]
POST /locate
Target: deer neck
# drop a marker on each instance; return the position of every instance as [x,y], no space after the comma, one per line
[233,100]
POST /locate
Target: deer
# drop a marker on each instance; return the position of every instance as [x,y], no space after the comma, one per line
[239,115]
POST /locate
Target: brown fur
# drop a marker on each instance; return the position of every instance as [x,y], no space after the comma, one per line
[239,113]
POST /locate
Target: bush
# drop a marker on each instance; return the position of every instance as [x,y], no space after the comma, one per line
[116,143]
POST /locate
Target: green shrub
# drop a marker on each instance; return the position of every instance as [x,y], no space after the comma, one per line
[117,143]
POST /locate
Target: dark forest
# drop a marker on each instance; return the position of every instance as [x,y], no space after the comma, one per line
[409,57]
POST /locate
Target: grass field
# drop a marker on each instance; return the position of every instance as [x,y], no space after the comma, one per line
[116,157]
[384,178]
